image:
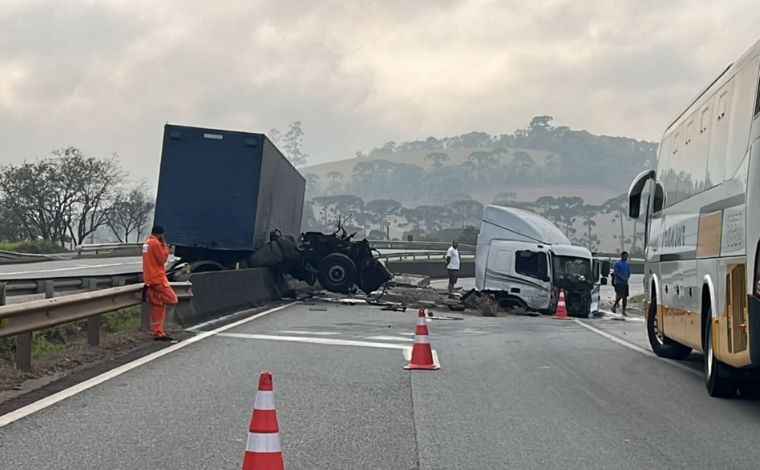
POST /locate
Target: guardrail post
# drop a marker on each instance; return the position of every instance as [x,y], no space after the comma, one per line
[2,293]
[93,330]
[47,287]
[89,283]
[24,352]
[145,317]
[118,281]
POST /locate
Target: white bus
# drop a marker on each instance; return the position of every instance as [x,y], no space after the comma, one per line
[701,275]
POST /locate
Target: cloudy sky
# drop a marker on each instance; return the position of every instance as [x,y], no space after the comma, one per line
[106,75]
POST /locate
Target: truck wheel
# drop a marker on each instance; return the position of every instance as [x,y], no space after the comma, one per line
[718,380]
[661,345]
[337,273]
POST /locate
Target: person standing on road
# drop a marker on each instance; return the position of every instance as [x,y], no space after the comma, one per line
[452,265]
[620,276]
[157,290]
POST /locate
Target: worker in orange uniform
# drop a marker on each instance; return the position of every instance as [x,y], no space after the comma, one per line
[157,289]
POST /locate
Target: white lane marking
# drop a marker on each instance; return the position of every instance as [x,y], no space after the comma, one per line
[76,268]
[87,384]
[617,315]
[317,333]
[389,338]
[633,347]
[327,341]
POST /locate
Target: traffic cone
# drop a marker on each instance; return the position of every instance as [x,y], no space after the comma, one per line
[422,352]
[263,450]
[561,312]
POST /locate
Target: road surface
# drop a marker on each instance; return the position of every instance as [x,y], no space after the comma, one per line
[513,392]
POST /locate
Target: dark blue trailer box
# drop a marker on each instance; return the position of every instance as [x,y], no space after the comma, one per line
[221,192]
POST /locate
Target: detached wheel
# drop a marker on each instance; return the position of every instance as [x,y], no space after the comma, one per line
[337,273]
[718,380]
[661,345]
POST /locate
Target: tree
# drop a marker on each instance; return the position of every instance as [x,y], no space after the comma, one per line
[312,184]
[130,213]
[467,210]
[40,197]
[590,239]
[504,199]
[437,158]
[485,163]
[617,207]
[522,165]
[10,228]
[95,183]
[293,144]
[469,235]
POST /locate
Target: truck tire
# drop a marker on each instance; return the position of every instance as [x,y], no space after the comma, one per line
[337,273]
[718,379]
[661,345]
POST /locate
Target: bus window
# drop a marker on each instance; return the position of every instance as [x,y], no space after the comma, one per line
[741,108]
[757,102]
[658,200]
[716,162]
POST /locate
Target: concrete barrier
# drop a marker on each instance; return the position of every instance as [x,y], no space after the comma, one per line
[219,293]
[435,269]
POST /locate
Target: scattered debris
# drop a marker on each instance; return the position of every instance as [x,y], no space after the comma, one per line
[409,280]
[317,309]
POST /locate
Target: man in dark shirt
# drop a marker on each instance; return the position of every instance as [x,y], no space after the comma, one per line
[622,272]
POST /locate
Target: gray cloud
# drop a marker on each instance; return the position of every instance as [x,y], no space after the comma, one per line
[105,76]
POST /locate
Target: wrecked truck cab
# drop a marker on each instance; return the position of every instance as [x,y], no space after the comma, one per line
[335,260]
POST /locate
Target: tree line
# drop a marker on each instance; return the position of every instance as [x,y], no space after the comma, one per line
[68,196]
[374,218]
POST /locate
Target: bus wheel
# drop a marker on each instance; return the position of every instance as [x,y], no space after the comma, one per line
[718,380]
[661,345]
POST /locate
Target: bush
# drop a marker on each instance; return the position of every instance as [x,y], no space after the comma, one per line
[36,247]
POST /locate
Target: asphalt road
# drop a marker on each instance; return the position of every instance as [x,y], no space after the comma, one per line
[513,392]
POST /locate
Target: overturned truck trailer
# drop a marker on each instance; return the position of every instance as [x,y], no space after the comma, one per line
[220,194]
[222,197]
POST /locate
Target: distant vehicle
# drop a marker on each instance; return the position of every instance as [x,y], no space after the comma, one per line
[702,269]
[221,193]
[523,260]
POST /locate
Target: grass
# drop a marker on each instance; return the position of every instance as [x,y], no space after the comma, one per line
[65,337]
[36,247]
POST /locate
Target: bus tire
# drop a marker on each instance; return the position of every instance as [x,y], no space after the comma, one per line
[718,379]
[661,345]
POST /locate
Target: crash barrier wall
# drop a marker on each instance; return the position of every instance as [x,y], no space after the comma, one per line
[435,269]
[218,293]
[22,320]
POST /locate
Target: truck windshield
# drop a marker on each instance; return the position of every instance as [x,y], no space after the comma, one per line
[567,266]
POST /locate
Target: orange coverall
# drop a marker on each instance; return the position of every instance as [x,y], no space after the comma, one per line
[159,293]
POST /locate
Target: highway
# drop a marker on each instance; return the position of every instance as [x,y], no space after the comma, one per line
[513,392]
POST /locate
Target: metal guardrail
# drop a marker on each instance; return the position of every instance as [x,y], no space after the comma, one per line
[420,255]
[101,248]
[21,320]
[52,285]
[402,245]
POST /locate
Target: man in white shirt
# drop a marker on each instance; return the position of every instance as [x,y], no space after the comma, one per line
[452,265]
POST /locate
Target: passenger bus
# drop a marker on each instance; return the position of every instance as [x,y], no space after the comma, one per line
[702,218]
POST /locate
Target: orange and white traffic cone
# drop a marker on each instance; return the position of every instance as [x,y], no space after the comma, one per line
[561,312]
[422,351]
[263,450]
